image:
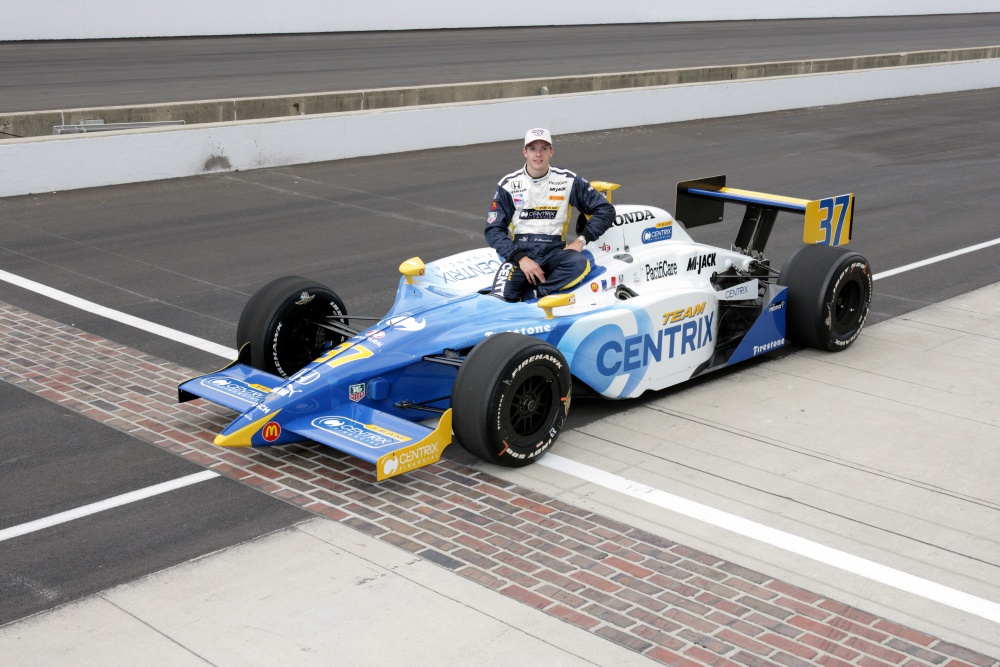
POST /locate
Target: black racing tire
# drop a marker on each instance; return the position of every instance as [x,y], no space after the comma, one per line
[510,399]
[278,324]
[829,295]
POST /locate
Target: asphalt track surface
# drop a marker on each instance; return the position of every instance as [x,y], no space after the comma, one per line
[38,76]
[187,253]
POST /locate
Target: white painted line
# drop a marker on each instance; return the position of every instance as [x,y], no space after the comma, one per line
[934,260]
[117,501]
[96,309]
[777,538]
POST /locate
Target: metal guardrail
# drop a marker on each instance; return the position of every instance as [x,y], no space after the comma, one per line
[101,126]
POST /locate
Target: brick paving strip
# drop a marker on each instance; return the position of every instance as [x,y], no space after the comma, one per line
[674,604]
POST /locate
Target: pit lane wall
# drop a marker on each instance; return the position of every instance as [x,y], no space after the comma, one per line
[53,163]
[95,19]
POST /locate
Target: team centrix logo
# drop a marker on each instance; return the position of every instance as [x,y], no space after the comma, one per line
[684,313]
[620,355]
[638,351]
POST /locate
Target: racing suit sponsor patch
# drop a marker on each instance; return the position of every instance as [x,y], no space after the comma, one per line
[535,214]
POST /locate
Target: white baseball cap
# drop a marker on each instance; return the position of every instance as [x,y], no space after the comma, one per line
[538,134]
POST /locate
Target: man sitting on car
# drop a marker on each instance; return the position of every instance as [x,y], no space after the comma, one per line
[528,220]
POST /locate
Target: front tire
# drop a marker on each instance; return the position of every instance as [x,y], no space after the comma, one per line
[510,399]
[279,324]
[829,295]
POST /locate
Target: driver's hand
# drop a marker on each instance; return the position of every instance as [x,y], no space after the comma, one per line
[532,270]
[577,244]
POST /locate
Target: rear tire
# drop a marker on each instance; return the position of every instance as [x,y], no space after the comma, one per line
[829,295]
[510,399]
[278,323]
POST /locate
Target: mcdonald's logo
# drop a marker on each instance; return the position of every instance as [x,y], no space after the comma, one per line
[271,431]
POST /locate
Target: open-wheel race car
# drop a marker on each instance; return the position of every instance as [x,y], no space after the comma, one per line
[656,309]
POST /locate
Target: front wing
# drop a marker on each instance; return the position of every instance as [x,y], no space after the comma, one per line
[393,444]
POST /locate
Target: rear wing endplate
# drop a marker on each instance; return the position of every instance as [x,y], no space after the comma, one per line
[700,202]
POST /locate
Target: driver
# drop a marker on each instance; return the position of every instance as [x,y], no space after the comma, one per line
[528,219]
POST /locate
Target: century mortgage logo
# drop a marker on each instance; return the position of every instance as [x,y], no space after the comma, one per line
[369,435]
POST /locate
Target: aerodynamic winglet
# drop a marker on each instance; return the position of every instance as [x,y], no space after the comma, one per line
[701,201]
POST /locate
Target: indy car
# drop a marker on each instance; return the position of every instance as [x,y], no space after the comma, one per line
[656,309]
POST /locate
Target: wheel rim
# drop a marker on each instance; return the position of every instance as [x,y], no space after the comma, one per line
[530,409]
[300,340]
[847,308]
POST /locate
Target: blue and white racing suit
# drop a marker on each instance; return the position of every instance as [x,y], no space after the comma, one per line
[530,216]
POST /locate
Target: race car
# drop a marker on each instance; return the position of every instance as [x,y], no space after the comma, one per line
[656,309]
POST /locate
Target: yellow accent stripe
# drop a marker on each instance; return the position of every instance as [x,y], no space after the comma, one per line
[585,272]
[241,438]
[763,195]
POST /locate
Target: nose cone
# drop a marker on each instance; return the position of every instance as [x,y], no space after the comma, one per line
[264,431]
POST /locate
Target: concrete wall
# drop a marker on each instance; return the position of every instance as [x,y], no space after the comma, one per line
[90,19]
[62,163]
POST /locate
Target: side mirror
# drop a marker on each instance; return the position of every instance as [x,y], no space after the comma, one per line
[412,268]
[605,188]
[547,303]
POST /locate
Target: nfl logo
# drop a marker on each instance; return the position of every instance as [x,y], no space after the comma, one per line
[357,392]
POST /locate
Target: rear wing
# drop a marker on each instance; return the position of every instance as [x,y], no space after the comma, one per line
[701,202]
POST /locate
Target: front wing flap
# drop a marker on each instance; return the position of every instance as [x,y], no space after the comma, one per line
[394,445]
[237,387]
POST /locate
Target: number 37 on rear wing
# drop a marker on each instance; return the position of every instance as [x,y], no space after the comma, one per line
[701,201]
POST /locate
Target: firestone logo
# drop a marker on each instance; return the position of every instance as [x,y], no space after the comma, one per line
[767,347]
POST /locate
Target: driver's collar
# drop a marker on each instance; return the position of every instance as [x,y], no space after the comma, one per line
[538,178]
